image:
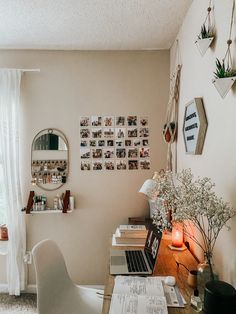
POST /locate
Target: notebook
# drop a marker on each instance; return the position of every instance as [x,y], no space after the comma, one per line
[138,261]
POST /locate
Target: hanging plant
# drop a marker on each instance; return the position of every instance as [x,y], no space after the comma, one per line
[206,35]
[169,131]
[225,74]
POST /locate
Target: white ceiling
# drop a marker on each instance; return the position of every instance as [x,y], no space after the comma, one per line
[90,24]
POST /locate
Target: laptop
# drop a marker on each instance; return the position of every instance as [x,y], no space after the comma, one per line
[137,261]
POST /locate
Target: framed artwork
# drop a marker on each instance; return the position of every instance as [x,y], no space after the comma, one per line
[194,126]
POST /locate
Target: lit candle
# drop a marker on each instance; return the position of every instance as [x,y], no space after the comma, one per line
[177,235]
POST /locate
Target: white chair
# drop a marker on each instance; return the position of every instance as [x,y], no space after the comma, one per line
[56,293]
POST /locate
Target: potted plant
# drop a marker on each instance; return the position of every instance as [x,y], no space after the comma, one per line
[193,203]
[225,77]
[204,39]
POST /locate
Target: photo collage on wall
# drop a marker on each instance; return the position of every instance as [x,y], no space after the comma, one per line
[114,143]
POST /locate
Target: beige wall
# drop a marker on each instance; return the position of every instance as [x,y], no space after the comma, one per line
[218,157]
[72,84]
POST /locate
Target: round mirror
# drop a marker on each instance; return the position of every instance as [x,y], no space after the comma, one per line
[49,159]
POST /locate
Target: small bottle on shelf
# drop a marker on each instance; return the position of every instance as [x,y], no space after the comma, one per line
[196,302]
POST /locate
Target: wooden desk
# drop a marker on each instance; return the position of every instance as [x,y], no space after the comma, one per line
[166,265]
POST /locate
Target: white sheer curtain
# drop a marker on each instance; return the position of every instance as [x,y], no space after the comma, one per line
[10,80]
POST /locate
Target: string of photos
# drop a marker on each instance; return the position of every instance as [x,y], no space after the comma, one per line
[207,33]
[225,74]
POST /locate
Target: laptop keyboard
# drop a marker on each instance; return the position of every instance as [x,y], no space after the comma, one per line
[135,261]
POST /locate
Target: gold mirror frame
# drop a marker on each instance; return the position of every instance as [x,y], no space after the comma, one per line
[54,186]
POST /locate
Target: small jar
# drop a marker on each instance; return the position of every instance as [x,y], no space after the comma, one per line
[196,302]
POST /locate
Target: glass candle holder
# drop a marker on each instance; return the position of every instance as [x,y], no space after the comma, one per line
[177,234]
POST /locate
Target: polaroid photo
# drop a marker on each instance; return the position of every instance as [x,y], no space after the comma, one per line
[145,142]
[83,143]
[84,121]
[132,164]
[92,143]
[85,165]
[96,132]
[143,121]
[110,143]
[101,143]
[97,165]
[132,152]
[120,132]
[108,121]
[119,143]
[137,142]
[132,132]
[108,153]
[120,121]
[132,120]
[84,153]
[109,165]
[96,121]
[84,133]
[144,132]
[144,152]
[144,164]
[120,152]
[96,153]
[108,132]
[128,143]
[121,164]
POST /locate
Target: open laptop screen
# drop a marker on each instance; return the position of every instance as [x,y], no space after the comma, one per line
[152,245]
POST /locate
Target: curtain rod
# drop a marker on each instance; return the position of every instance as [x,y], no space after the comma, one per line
[23,70]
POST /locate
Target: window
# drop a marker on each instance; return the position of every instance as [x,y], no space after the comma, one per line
[2,197]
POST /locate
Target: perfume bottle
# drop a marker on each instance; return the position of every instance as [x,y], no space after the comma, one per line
[196,302]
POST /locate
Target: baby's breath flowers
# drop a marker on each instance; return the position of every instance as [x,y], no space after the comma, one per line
[195,204]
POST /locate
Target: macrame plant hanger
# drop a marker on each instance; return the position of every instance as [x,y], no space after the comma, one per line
[206,36]
[170,126]
[224,84]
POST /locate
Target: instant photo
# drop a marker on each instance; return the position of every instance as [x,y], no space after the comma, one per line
[108,121]
[96,121]
[96,153]
[84,121]
[144,164]
[132,153]
[108,153]
[133,164]
[97,132]
[120,132]
[85,165]
[120,152]
[132,132]
[144,152]
[120,121]
[132,120]
[121,165]
[144,132]
[84,133]
[108,132]
[97,165]
[84,153]
[109,165]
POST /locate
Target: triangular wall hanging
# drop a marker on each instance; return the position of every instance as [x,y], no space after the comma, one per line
[225,75]
[223,85]
[206,36]
[204,44]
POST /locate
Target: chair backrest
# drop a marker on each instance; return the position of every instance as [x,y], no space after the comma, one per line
[51,275]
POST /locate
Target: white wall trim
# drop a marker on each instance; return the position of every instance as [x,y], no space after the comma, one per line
[3,288]
[29,289]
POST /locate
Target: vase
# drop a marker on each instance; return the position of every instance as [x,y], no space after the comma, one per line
[206,272]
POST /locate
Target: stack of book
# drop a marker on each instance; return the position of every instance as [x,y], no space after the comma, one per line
[130,235]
